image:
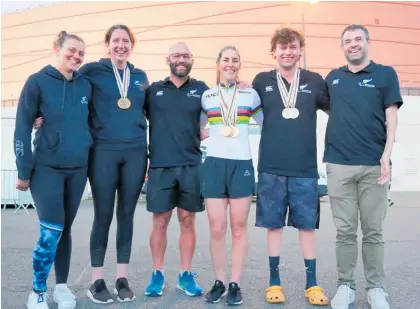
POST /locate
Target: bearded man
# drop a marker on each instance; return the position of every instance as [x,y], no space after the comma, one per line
[173,108]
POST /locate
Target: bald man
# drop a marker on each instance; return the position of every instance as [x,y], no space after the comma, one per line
[173,107]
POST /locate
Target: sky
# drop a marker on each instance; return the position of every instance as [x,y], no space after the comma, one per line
[11,6]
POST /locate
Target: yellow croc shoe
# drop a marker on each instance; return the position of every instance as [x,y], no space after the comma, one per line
[274,294]
[316,296]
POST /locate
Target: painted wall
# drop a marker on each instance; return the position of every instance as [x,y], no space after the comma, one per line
[207,27]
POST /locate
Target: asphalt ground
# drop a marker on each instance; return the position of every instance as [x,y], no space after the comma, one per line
[402,236]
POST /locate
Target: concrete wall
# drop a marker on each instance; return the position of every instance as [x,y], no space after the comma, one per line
[207,27]
[405,156]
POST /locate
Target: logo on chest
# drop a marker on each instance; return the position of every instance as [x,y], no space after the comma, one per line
[193,93]
[84,100]
[140,85]
[211,95]
[365,83]
[302,88]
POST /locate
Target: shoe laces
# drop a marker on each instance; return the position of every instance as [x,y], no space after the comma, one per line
[122,284]
[190,273]
[41,298]
[377,294]
[217,285]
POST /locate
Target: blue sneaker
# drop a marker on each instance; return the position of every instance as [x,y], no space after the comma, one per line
[187,284]
[156,285]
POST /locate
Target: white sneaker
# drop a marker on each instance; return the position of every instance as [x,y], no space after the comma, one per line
[377,298]
[64,297]
[344,296]
[37,301]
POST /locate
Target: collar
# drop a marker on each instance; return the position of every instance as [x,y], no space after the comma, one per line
[225,86]
[107,62]
[368,69]
[303,75]
[167,80]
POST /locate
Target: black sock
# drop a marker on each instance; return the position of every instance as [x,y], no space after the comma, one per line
[310,273]
[274,270]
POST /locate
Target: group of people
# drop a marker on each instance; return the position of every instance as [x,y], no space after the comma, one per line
[92,124]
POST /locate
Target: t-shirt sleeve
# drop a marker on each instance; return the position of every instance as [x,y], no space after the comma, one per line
[203,115]
[323,97]
[391,92]
[257,113]
[255,86]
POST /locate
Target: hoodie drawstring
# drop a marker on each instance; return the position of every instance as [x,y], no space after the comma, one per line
[64,94]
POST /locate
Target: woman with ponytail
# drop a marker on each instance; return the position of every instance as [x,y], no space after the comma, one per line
[228,172]
[56,170]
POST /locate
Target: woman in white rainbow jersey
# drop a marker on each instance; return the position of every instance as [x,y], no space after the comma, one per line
[227,172]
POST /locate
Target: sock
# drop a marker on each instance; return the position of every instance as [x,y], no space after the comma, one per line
[310,273]
[274,270]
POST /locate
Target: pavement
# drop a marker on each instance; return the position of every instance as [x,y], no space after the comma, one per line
[402,249]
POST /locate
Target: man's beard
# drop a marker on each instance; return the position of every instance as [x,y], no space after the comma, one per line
[177,73]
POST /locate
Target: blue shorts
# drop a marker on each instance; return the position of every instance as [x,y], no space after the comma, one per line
[277,195]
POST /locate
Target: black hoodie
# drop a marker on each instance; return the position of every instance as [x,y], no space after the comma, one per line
[114,128]
[64,140]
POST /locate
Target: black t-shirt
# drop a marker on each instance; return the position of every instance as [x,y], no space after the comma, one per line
[174,123]
[356,130]
[288,146]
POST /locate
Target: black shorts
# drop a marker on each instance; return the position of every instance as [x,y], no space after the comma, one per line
[226,178]
[170,187]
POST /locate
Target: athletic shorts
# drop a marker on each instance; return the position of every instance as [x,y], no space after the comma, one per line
[278,196]
[227,178]
[171,187]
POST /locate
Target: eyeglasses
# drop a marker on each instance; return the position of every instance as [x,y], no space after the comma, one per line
[178,56]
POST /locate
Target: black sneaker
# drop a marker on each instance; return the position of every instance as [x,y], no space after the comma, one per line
[98,293]
[125,294]
[216,293]
[234,296]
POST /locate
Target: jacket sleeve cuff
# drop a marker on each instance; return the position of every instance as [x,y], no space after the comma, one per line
[24,174]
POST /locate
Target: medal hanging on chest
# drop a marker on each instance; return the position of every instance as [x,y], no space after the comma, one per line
[289,97]
[229,115]
[123,102]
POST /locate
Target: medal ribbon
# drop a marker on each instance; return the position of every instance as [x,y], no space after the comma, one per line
[124,83]
[289,97]
[229,112]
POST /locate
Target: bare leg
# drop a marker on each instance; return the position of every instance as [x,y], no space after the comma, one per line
[217,212]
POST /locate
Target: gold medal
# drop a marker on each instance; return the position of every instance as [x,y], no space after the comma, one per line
[226,131]
[235,131]
[124,103]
